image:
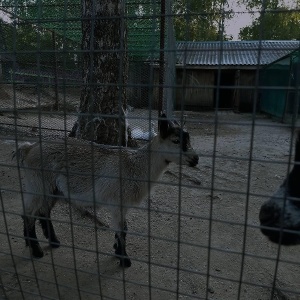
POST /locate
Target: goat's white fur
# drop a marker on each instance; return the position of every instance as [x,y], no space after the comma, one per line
[118,172]
[90,174]
[138,133]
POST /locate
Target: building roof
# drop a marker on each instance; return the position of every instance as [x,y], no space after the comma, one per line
[233,53]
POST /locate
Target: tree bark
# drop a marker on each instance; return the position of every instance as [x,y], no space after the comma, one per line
[105,68]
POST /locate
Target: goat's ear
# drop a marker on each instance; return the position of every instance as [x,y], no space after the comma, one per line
[163,126]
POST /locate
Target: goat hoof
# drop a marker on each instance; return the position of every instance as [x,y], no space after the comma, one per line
[37,251]
[125,262]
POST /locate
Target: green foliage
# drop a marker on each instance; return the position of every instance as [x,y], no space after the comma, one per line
[30,44]
[276,21]
[200,20]
[268,4]
[281,24]
[24,40]
[259,4]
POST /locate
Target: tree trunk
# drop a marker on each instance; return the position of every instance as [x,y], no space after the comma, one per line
[105,68]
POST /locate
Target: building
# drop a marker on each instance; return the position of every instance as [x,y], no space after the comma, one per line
[224,74]
[279,88]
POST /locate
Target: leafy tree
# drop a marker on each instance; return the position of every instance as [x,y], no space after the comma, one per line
[276,25]
[28,42]
[23,40]
[266,4]
[199,20]
[275,22]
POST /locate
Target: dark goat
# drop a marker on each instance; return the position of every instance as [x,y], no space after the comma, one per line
[280,215]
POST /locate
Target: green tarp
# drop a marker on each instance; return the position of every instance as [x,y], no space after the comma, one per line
[64,17]
[279,83]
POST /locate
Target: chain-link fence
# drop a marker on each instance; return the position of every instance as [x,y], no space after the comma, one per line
[225,147]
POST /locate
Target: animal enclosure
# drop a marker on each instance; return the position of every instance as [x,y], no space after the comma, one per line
[198,232]
[192,233]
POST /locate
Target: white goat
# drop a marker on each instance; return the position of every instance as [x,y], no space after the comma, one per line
[89,174]
[139,134]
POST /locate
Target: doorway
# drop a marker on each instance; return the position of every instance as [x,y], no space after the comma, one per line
[224,90]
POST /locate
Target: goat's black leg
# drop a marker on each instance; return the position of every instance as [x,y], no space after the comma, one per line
[48,230]
[30,237]
[120,247]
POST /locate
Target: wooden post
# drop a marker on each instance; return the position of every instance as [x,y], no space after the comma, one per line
[55,106]
[161,57]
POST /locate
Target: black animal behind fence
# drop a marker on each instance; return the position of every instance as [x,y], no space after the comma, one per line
[132,121]
[279,216]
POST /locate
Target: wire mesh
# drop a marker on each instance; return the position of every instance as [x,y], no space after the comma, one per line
[197,234]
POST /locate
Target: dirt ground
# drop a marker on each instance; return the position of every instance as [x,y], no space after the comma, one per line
[199,240]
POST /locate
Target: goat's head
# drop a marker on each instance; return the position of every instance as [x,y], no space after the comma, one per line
[176,146]
[280,216]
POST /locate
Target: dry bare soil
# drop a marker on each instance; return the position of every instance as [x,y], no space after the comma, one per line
[196,237]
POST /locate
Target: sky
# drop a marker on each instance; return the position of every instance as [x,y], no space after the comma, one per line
[241,19]
[4,16]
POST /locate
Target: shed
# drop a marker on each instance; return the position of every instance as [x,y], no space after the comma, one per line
[224,74]
[279,85]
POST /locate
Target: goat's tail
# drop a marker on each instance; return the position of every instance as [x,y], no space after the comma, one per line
[22,151]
